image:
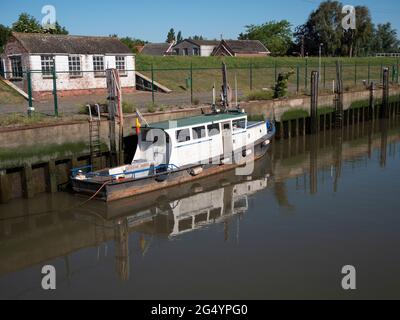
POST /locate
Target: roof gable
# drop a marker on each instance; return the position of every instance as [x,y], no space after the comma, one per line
[156,49]
[37,43]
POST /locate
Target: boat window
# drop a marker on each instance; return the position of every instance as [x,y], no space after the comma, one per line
[213,130]
[199,133]
[227,126]
[239,124]
[183,135]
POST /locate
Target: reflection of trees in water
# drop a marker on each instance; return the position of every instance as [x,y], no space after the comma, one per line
[280,192]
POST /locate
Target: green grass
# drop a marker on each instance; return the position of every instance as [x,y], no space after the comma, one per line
[260,95]
[9,96]
[325,110]
[173,72]
[294,114]
[21,119]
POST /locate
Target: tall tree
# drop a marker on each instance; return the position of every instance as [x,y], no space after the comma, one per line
[4,35]
[179,37]
[171,36]
[358,42]
[324,26]
[275,35]
[29,24]
[385,39]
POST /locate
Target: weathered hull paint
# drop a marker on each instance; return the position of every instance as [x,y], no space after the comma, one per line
[129,188]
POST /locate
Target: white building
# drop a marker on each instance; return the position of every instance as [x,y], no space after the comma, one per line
[80,63]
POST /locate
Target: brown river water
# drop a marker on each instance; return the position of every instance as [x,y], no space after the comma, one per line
[312,206]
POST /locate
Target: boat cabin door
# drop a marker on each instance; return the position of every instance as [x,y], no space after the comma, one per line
[227,139]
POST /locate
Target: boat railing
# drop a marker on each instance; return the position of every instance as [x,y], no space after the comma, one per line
[157,170]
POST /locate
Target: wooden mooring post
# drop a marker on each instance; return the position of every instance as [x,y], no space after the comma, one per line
[371,108]
[314,102]
[338,101]
[384,110]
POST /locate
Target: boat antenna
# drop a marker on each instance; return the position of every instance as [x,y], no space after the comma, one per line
[236,91]
[225,100]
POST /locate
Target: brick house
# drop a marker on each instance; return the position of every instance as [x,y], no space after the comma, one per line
[80,63]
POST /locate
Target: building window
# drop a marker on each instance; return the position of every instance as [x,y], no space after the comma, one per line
[98,66]
[16,66]
[120,64]
[74,63]
[47,65]
[183,135]
[177,52]
[186,52]
[196,51]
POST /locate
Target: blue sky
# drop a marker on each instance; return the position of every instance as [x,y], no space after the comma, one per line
[151,19]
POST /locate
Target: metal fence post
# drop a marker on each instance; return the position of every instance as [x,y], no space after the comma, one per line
[55,92]
[369,72]
[251,76]
[191,82]
[298,78]
[30,101]
[398,70]
[152,84]
[381,74]
[355,74]
[306,75]
[324,75]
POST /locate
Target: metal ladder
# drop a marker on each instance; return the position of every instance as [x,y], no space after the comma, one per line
[94,135]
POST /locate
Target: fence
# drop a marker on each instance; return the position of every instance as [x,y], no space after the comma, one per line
[189,85]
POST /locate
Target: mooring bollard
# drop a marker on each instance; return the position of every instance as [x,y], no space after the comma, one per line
[314,101]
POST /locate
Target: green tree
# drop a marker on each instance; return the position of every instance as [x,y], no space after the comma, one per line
[385,39]
[324,25]
[275,35]
[179,37]
[197,37]
[358,42]
[4,35]
[171,36]
[27,23]
[132,43]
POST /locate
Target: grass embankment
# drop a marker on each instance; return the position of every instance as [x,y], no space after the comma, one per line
[174,72]
[20,119]
[8,95]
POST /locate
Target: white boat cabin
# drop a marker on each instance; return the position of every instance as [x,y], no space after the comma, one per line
[197,140]
[191,142]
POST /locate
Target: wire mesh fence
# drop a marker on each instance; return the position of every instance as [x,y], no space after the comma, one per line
[54,92]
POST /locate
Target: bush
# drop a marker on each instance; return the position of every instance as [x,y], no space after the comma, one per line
[152,108]
[281,86]
[128,107]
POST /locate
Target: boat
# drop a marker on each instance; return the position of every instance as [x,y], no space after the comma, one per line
[171,153]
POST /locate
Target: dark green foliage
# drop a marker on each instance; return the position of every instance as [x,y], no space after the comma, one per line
[281,85]
[275,35]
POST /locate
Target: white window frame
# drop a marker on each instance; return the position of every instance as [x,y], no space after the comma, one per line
[75,67]
[99,73]
[47,62]
[121,71]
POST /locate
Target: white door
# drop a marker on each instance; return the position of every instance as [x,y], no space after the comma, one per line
[227,139]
